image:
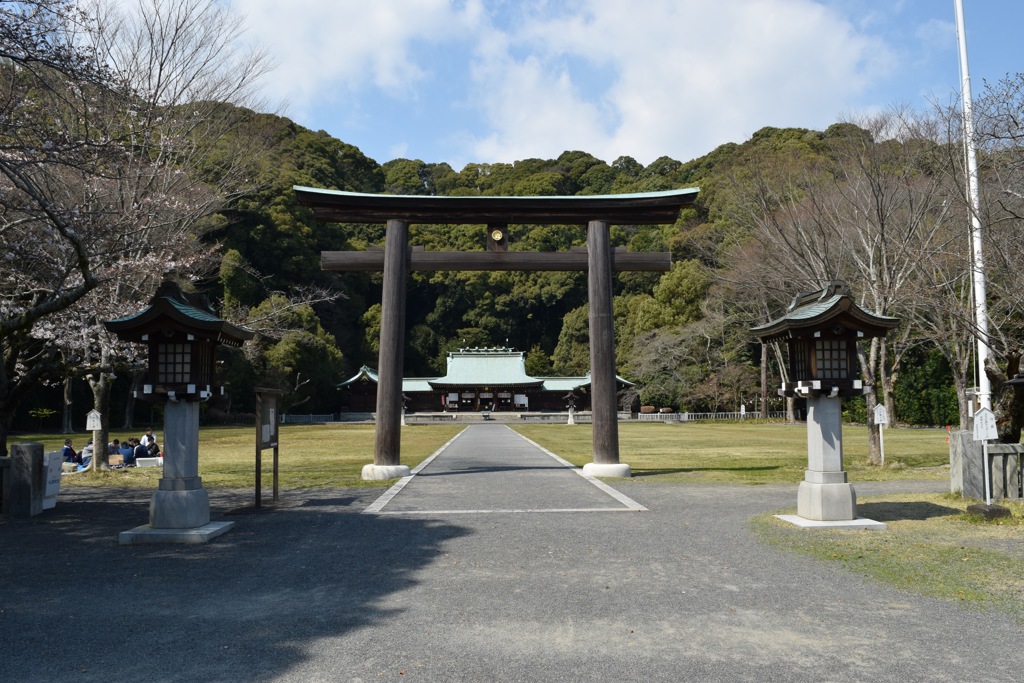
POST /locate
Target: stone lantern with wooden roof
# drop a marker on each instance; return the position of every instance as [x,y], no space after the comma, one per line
[821,330]
[181,333]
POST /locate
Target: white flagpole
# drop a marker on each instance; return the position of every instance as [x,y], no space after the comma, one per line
[977,260]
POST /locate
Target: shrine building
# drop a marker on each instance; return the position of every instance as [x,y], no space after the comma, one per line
[477,379]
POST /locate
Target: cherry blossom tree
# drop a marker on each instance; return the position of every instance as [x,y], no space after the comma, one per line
[121,137]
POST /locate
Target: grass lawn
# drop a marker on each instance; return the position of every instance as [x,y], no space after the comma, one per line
[332,455]
[746,453]
[310,456]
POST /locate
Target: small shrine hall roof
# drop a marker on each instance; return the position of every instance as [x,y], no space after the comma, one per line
[498,367]
[486,367]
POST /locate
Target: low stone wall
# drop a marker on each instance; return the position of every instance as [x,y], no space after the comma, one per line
[967,467]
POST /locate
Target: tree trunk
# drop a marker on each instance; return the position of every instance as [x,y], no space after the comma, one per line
[100,382]
[764,381]
[874,443]
[67,426]
[100,385]
[869,372]
[129,405]
[963,402]
[1007,401]
[886,381]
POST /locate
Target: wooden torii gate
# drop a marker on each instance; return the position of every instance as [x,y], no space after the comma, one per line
[598,213]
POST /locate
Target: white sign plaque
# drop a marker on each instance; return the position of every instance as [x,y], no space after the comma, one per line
[94,420]
[985,425]
[881,415]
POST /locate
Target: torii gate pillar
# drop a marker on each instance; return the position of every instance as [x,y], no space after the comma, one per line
[387,445]
[602,356]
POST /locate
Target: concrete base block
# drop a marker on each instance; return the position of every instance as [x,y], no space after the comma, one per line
[380,472]
[179,509]
[147,535]
[826,502]
[600,469]
[24,495]
[858,523]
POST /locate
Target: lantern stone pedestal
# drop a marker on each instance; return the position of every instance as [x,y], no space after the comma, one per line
[825,494]
[179,511]
[825,499]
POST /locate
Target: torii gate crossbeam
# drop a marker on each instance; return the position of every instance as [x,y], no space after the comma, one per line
[598,213]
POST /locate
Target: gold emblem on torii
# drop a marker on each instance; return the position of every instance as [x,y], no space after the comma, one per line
[497,238]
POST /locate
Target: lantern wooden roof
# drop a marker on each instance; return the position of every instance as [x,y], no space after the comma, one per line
[648,208]
[172,309]
[827,309]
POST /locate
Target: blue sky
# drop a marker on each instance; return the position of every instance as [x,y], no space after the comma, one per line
[489,81]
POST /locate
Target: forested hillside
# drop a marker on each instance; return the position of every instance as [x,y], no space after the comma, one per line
[777,215]
[273,245]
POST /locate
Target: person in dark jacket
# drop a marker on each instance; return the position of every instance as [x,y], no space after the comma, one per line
[68,453]
[140,451]
[127,451]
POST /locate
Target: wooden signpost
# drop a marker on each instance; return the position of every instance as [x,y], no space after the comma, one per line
[882,420]
[598,213]
[266,437]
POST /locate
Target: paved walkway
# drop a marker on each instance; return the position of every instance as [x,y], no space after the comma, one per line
[320,591]
[493,469]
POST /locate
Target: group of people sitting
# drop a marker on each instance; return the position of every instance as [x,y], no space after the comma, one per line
[130,451]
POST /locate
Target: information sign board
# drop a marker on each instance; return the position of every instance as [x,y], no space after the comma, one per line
[881,415]
[985,425]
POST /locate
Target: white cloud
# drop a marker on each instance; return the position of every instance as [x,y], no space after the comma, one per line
[323,47]
[643,78]
[688,75]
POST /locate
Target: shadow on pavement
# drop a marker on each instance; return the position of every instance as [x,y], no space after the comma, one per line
[76,605]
